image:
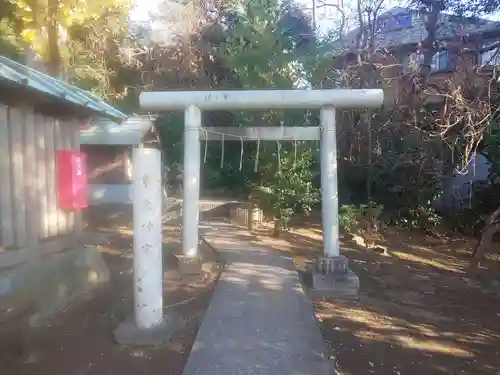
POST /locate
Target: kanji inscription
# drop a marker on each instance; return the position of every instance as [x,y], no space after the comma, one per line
[146,248]
[147,204]
[148,225]
[145,181]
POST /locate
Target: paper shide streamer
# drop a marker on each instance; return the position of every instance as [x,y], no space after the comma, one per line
[256,165]
[222,152]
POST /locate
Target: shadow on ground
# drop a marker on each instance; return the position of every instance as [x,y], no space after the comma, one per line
[80,340]
[420,311]
[260,321]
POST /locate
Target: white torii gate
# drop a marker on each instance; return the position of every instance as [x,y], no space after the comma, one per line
[192,103]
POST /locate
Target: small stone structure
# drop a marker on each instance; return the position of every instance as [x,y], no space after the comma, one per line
[43,263]
[246,215]
[109,156]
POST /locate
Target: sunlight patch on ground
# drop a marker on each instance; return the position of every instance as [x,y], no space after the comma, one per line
[493,369]
[125,231]
[417,301]
[433,346]
[358,315]
[291,242]
[426,330]
[108,250]
[410,342]
[105,230]
[421,248]
[381,328]
[437,253]
[277,243]
[481,338]
[429,262]
[311,233]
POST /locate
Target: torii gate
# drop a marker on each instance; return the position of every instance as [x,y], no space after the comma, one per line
[148,312]
[193,102]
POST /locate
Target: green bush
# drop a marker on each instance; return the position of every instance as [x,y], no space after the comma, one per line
[351,217]
[289,191]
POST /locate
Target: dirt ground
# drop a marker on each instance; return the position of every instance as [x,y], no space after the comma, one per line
[80,340]
[421,310]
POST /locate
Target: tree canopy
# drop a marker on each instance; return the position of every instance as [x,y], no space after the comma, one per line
[398,157]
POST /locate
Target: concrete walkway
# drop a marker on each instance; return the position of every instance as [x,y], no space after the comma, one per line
[259,320]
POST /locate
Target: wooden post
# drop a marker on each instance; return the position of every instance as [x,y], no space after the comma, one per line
[6,201]
[16,125]
[30,179]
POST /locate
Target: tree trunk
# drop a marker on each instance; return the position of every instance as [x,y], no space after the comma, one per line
[369,178]
[277,228]
[485,243]
[429,17]
[54,53]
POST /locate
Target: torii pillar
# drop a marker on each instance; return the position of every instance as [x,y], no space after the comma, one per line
[194,102]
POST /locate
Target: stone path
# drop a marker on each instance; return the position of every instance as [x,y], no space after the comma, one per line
[259,320]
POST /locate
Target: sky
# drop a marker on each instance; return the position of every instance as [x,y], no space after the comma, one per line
[324,20]
[143,8]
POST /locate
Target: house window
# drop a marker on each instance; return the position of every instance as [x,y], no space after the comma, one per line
[491,57]
[395,22]
[441,61]
[403,20]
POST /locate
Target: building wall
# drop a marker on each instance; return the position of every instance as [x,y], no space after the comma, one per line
[458,188]
[43,264]
[29,212]
[397,86]
[464,67]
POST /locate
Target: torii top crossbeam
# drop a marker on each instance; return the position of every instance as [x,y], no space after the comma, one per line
[261,99]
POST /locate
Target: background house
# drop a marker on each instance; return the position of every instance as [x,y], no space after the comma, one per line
[397,34]
[459,187]
[42,262]
[394,42]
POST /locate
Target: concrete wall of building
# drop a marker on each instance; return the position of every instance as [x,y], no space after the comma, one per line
[458,188]
[398,86]
[43,263]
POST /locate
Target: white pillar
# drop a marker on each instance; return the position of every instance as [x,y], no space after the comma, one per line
[329,190]
[191,183]
[148,262]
